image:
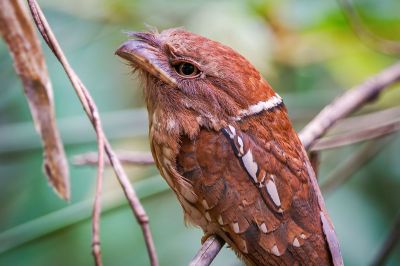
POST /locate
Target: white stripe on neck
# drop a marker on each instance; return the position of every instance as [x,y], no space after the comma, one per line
[253,109]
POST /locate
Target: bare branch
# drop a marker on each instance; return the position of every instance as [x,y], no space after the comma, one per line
[347,103]
[125,157]
[209,250]
[17,30]
[390,243]
[92,113]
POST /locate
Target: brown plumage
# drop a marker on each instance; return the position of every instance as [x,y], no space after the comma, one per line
[221,138]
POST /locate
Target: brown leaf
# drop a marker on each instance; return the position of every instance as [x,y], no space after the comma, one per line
[23,43]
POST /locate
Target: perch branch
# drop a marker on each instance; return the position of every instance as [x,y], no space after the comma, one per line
[347,103]
[92,113]
[205,255]
[339,108]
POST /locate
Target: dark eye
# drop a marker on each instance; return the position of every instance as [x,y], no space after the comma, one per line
[186,69]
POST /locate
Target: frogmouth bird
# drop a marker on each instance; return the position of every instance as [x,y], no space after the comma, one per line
[222,140]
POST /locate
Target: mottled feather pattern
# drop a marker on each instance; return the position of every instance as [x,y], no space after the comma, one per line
[223,142]
[252,223]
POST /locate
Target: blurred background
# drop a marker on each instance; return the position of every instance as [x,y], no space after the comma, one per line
[306,49]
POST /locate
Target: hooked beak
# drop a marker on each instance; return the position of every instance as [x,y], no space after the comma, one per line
[142,55]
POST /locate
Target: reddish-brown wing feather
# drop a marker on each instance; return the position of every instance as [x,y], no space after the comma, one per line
[260,196]
[265,203]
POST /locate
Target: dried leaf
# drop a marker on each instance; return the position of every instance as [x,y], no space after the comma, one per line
[23,43]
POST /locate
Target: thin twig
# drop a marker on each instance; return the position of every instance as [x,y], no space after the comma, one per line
[355,136]
[390,243]
[96,246]
[125,157]
[347,103]
[344,171]
[363,121]
[91,111]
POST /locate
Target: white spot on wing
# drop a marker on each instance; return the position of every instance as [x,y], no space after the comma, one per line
[208,217]
[296,242]
[235,227]
[273,192]
[250,165]
[244,248]
[263,228]
[205,204]
[232,129]
[240,142]
[275,250]
[220,221]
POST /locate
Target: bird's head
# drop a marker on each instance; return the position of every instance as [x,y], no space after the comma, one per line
[187,73]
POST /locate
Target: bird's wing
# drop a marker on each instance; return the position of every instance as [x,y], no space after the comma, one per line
[260,197]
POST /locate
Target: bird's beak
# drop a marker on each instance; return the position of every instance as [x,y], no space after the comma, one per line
[143,55]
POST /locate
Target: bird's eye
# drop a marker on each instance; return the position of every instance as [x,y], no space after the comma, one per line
[186,69]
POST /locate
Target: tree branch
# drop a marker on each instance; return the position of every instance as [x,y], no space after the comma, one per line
[92,113]
[347,103]
[208,251]
[365,132]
